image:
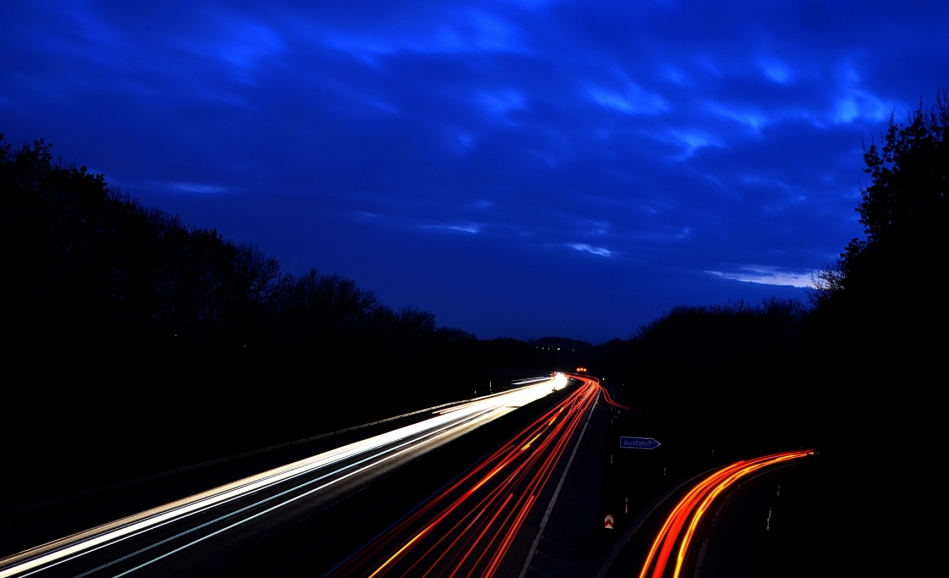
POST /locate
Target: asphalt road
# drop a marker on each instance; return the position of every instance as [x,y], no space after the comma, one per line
[265,521]
[484,523]
[465,489]
[571,545]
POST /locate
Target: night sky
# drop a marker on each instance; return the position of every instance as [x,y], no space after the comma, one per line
[518,168]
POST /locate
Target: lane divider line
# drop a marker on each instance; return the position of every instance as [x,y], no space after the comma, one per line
[553,500]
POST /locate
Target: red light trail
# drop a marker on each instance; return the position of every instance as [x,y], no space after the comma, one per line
[468,528]
[681,524]
[609,399]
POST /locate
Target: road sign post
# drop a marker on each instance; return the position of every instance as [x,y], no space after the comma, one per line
[634,443]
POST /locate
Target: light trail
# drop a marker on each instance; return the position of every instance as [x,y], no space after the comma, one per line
[342,462]
[609,399]
[467,529]
[689,511]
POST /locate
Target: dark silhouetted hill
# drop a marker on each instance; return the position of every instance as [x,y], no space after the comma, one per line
[561,344]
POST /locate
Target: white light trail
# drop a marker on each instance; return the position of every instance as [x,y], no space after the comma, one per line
[462,415]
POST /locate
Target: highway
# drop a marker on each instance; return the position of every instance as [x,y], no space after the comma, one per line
[185,536]
[469,528]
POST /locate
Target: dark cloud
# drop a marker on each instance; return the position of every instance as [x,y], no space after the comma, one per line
[516,167]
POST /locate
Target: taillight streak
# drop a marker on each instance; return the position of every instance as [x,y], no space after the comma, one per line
[689,511]
[609,399]
[489,504]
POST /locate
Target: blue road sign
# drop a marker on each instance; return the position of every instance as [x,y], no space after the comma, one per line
[638,443]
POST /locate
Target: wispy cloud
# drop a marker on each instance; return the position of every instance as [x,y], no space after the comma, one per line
[591,249]
[461,228]
[501,102]
[633,101]
[858,104]
[750,118]
[680,135]
[692,141]
[767,275]
[197,188]
[854,101]
[467,31]
[777,71]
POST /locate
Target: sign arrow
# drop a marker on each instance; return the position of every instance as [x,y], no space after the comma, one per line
[608,522]
[634,443]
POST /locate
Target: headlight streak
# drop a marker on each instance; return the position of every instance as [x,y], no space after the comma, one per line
[560,380]
[689,511]
[443,423]
[480,522]
[408,446]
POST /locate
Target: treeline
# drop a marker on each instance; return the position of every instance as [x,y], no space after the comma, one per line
[90,263]
[857,373]
[871,341]
[136,342]
[711,376]
[890,286]
[882,315]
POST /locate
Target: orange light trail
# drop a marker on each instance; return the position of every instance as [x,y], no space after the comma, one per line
[691,508]
[609,399]
[467,529]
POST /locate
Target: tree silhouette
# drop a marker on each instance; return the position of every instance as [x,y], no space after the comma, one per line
[880,321]
[102,290]
[904,212]
[910,174]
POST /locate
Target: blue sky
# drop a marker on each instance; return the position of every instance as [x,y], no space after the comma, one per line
[518,168]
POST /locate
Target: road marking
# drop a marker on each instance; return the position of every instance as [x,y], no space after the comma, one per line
[553,500]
